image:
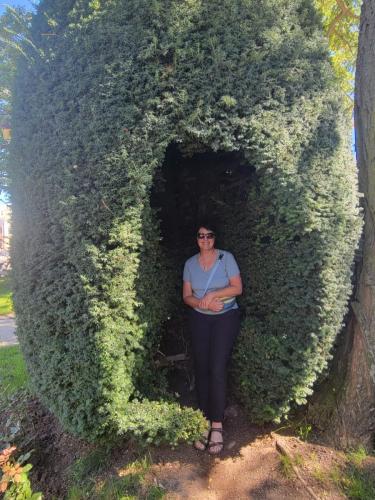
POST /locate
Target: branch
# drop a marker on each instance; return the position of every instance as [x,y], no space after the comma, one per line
[346,10]
[170,360]
[333,23]
[344,40]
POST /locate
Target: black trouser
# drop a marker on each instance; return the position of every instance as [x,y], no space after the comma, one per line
[213,337]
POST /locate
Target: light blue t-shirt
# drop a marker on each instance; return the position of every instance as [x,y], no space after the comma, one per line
[193,273]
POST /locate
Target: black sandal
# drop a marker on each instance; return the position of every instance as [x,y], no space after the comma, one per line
[213,444]
[204,441]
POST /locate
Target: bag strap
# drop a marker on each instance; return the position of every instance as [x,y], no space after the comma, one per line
[212,273]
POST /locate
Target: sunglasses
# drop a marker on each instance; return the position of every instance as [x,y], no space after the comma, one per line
[206,236]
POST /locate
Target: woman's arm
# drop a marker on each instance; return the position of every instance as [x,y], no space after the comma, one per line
[190,300]
[187,295]
[232,290]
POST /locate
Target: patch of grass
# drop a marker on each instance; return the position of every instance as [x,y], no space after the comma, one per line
[356,483]
[118,488]
[301,427]
[320,475]
[6,304]
[353,480]
[335,475]
[286,466]
[89,480]
[13,375]
[287,463]
[298,459]
[356,457]
[129,487]
[155,493]
[91,464]
[358,486]
[303,431]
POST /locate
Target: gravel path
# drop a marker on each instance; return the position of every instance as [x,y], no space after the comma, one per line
[7,331]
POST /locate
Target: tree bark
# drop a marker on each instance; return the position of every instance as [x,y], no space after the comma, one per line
[344,406]
[364,307]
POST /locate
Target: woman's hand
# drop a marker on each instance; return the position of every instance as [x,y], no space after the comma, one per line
[209,301]
[216,305]
[206,300]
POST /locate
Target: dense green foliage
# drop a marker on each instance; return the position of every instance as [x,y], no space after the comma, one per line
[115,84]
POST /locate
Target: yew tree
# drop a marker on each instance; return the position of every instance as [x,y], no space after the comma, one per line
[114,88]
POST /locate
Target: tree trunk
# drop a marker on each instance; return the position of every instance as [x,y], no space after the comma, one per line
[344,406]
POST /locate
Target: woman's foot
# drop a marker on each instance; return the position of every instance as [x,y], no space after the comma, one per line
[216,443]
[202,443]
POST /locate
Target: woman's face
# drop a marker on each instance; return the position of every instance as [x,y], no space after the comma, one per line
[205,238]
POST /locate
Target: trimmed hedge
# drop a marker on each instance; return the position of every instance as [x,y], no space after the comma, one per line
[113,85]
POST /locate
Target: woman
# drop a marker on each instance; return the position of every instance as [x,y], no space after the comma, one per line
[211,282]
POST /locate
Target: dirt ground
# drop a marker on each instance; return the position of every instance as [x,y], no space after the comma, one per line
[250,466]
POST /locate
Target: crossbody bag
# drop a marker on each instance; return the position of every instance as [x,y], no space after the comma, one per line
[227,301]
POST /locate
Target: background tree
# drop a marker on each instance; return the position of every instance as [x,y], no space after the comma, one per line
[361,392]
[344,404]
[14,27]
[340,22]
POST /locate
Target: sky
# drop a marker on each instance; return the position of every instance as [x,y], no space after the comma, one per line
[27,4]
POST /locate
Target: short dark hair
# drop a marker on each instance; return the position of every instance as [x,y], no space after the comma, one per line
[206,224]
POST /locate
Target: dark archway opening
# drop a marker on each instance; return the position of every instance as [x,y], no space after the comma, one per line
[187,188]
